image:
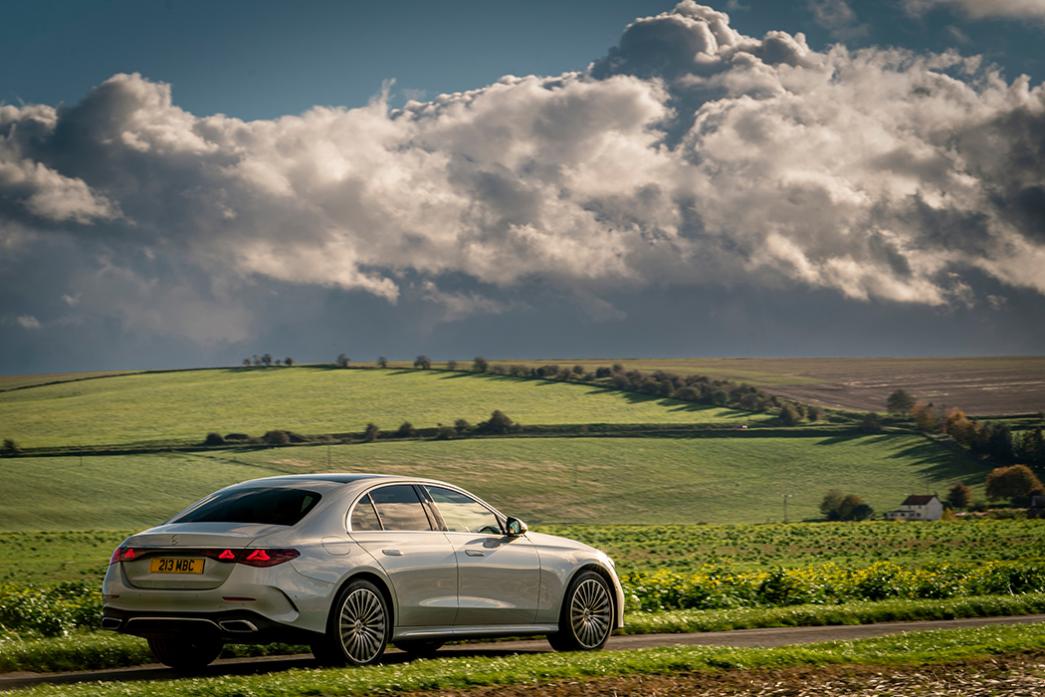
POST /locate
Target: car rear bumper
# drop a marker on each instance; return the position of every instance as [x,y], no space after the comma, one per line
[233,626]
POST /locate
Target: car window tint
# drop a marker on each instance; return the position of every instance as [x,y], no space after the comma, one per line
[400,508]
[462,513]
[364,517]
[277,506]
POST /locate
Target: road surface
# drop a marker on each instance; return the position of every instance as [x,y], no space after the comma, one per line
[775,636]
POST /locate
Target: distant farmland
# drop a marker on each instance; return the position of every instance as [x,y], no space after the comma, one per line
[1001,385]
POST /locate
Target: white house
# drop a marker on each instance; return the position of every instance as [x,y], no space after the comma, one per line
[917,507]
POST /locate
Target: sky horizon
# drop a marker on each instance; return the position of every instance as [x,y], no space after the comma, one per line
[186,184]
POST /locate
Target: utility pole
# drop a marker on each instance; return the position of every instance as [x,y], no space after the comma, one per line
[786,497]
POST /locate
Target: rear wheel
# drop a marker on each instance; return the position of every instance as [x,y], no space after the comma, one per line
[586,619]
[185,654]
[420,648]
[358,627]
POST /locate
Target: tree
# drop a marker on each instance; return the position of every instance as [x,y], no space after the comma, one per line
[451,365]
[497,423]
[899,402]
[406,430]
[925,417]
[480,365]
[461,425]
[422,362]
[267,359]
[288,361]
[813,413]
[830,504]
[1014,482]
[871,423]
[603,372]
[854,508]
[246,362]
[959,496]
[578,370]
[342,360]
[444,433]
[958,426]
[10,447]
[789,415]
[371,433]
[382,362]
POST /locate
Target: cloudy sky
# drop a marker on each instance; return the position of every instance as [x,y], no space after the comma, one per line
[183,184]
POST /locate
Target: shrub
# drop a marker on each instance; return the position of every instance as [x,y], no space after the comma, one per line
[789,415]
[236,437]
[603,372]
[480,365]
[445,433]
[213,439]
[406,430]
[371,433]
[461,425]
[10,447]
[899,402]
[276,437]
[422,362]
[451,365]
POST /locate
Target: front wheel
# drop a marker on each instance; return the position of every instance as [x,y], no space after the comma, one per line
[357,630]
[183,654]
[586,619]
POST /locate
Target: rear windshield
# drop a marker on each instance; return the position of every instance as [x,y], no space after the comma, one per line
[265,506]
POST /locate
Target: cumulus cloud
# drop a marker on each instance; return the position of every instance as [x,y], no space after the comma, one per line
[690,155]
[28,322]
[983,9]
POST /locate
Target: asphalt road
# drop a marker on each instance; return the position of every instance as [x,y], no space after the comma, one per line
[776,636]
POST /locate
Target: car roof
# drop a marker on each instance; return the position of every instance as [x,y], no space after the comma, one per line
[337,478]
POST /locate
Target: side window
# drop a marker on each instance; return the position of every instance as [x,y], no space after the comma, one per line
[462,513]
[399,508]
[364,517]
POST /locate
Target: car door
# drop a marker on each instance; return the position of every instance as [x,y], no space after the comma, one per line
[393,525]
[498,576]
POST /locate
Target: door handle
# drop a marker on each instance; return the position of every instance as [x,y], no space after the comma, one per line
[474,553]
[392,552]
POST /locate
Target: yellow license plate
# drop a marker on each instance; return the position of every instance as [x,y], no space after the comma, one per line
[175,565]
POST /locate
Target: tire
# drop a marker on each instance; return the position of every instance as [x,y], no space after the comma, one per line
[420,648]
[587,617]
[185,654]
[358,627]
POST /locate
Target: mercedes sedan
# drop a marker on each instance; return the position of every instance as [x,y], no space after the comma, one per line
[349,563]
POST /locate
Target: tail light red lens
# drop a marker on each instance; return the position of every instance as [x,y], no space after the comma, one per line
[123,554]
[252,557]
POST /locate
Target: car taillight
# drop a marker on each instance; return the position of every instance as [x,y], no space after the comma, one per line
[268,557]
[252,557]
[122,554]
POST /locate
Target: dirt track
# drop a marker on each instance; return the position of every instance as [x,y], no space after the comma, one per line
[777,636]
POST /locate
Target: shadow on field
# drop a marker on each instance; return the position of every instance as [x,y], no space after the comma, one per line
[231,666]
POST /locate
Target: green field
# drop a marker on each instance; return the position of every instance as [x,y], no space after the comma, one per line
[542,480]
[187,405]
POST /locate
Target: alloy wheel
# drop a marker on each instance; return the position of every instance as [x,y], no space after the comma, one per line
[362,624]
[591,613]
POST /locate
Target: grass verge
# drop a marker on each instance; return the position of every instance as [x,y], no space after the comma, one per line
[459,673]
[98,650]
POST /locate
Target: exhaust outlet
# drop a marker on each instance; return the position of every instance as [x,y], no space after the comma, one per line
[111,622]
[238,626]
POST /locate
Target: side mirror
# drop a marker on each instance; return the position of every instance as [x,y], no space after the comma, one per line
[515,527]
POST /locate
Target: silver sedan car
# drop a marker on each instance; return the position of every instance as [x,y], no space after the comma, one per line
[348,563]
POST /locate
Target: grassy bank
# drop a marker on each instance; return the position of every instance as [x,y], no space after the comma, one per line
[459,673]
[179,405]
